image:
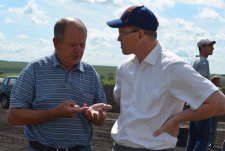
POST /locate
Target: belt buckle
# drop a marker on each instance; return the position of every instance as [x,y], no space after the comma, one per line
[58,149]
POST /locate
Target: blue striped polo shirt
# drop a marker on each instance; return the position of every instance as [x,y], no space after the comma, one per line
[42,85]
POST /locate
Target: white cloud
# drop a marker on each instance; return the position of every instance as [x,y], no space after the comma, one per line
[210,3]
[96,1]
[220,35]
[17,51]
[30,10]
[210,14]
[190,28]
[22,36]
[8,20]
[2,36]
[161,5]
[45,41]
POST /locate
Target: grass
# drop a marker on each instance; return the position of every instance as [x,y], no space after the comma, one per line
[13,68]
[107,73]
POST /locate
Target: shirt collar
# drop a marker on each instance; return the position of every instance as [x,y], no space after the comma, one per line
[202,57]
[56,63]
[152,57]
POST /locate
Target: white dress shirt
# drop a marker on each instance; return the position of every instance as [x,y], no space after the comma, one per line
[150,92]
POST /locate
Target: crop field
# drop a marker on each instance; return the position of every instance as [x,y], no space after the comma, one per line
[107,73]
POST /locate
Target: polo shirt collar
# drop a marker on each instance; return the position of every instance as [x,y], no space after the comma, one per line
[202,57]
[56,63]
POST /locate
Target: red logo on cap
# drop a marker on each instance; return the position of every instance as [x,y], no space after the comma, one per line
[126,15]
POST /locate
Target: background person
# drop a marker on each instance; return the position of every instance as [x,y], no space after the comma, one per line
[59,97]
[223,147]
[214,120]
[152,86]
[199,131]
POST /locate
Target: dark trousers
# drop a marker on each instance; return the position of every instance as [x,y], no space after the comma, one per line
[117,147]
[198,137]
[223,146]
[213,131]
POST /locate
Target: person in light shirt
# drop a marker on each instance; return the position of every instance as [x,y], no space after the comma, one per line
[152,87]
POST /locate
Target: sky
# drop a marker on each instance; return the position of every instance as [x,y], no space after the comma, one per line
[26,28]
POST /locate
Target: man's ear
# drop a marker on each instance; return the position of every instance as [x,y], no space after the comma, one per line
[55,42]
[141,34]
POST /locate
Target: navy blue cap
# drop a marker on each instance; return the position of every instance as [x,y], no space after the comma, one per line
[138,16]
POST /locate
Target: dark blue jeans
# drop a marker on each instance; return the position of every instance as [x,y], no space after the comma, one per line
[198,137]
[214,123]
[223,146]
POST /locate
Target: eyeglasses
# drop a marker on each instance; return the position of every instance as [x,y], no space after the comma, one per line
[127,33]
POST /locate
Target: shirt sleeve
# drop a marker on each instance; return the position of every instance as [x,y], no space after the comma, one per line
[22,93]
[189,86]
[117,87]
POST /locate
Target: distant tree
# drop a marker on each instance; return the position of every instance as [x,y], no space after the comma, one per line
[110,76]
[102,77]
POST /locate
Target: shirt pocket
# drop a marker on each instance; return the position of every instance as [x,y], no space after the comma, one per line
[88,98]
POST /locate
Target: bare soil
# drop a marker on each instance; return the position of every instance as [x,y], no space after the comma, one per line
[12,139]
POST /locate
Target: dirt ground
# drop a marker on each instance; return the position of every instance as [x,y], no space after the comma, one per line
[12,139]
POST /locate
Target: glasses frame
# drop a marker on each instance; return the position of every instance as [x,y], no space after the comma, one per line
[127,33]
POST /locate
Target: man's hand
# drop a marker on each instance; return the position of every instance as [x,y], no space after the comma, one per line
[68,109]
[96,113]
[170,126]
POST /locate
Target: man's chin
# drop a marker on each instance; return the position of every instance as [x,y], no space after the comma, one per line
[125,53]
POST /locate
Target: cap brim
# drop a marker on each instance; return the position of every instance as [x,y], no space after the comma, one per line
[117,23]
[213,42]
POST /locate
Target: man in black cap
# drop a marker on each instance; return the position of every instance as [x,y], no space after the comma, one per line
[199,131]
[152,86]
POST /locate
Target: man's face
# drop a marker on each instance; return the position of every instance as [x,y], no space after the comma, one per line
[70,50]
[128,39]
[217,82]
[208,49]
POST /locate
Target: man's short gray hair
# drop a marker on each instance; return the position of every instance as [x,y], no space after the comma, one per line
[60,26]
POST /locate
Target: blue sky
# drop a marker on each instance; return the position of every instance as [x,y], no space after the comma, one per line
[26,28]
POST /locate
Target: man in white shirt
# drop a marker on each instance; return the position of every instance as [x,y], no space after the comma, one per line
[151,88]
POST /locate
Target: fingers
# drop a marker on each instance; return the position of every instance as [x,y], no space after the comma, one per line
[107,107]
[89,114]
[157,133]
[81,109]
[101,113]
[101,106]
[160,131]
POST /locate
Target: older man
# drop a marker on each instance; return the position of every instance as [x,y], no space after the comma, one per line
[59,97]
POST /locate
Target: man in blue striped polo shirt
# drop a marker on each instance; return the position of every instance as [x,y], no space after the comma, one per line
[58,97]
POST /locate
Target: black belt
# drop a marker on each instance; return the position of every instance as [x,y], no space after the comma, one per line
[118,147]
[42,147]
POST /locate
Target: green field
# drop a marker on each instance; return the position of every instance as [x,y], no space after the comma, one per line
[8,68]
[11,68]
[107,73]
